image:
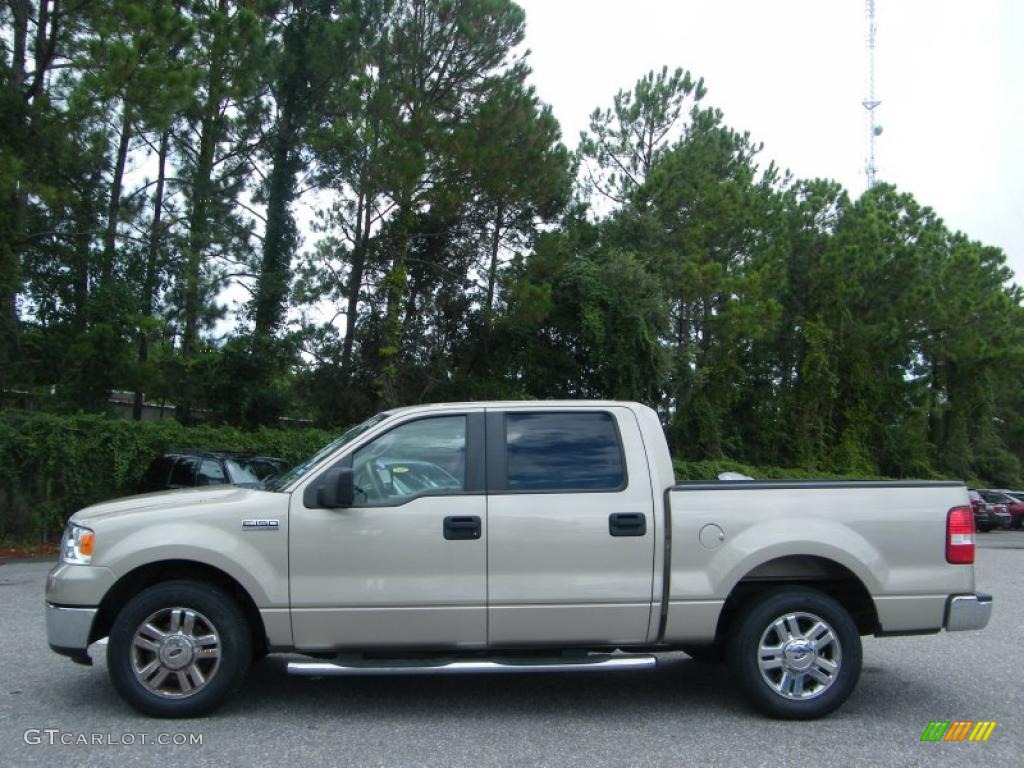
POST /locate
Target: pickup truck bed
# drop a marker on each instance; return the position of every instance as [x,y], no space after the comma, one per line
[880,544]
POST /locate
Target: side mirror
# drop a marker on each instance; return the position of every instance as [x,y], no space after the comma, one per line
[336,490]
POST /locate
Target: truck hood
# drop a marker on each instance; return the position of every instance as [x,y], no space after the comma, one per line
[184,499]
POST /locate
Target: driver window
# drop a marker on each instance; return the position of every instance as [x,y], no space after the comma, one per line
[423,457]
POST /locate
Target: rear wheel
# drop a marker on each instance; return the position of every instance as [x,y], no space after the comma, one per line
[178,649]
[984,528]
[795,652]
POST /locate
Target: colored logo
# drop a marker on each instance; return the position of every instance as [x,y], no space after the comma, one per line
[958,730]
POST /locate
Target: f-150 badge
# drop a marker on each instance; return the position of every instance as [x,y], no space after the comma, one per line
[260,525]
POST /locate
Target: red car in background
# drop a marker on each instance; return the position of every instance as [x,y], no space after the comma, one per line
[1014,505]
[987,514]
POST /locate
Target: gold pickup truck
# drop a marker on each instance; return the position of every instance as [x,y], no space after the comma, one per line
[509,537]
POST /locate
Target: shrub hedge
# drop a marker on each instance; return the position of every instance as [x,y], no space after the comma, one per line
[709,470]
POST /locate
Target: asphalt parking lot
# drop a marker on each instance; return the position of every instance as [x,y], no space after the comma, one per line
[683,713]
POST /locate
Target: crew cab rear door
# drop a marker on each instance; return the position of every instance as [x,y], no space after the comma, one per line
[570,511]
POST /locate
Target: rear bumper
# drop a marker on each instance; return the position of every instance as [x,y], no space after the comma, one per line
[968,612]
[67,630]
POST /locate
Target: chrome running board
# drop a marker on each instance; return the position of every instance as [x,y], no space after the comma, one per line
[594,663]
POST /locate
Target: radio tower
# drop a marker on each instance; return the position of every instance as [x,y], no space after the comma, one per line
[870,103]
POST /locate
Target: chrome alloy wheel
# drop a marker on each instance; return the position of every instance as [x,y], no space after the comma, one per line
[175,652]
[799,656]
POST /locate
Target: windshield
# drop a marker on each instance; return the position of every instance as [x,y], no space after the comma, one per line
[241,473]
[280,481]
[264,468]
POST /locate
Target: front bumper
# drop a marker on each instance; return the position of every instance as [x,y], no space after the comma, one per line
[968,612]
[67,630]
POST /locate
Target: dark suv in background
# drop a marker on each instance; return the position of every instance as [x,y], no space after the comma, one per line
[187,469]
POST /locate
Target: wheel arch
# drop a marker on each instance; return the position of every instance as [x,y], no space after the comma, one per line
[150,574]
[814,571]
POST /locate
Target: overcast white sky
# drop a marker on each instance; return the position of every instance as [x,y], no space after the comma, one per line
[793,72]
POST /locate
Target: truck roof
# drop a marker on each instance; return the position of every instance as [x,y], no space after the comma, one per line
[518,404]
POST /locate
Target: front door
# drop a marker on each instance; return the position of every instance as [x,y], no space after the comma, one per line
[570,527]
[406,565]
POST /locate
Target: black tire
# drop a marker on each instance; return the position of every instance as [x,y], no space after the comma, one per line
[984,528]
[756,620]
[1018,523]
[214,607]
[706,654]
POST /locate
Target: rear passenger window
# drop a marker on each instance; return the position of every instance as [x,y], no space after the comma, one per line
[563,452]
[156,476]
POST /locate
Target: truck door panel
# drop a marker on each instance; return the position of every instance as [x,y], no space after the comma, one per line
[570,528]
[406,566]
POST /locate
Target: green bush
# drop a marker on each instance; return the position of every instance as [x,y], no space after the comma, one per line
[709,470]
[51,466]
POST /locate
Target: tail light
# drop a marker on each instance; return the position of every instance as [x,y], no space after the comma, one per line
[960,536]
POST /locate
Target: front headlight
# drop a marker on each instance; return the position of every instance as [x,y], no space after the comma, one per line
[76,546]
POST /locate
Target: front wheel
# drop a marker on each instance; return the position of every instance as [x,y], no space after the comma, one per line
[795,653]
[178,649]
